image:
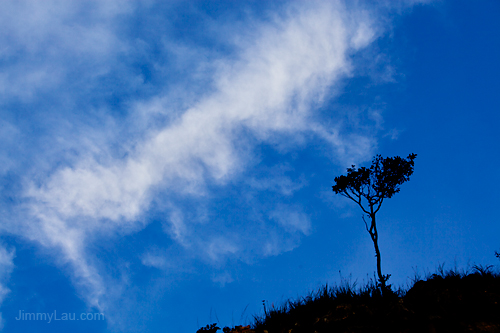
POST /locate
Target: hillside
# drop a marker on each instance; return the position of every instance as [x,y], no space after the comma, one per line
[445,302]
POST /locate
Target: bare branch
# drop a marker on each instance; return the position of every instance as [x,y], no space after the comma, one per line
[358,201]
[366,224]
[356,192]
[346,194]
[363,208]
[379,205]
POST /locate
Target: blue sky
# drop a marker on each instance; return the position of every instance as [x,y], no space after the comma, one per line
[169,164]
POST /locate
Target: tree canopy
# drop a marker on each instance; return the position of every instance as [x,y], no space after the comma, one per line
[382,180]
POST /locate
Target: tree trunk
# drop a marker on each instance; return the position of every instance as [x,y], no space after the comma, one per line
[374,236]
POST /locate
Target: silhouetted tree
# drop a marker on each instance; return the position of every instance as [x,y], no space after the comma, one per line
[369,187]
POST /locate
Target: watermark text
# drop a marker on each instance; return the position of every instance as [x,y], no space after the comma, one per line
[54,316]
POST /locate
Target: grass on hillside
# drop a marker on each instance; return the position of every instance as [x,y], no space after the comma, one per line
[447,301]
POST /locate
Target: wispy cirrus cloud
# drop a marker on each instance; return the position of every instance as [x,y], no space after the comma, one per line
[183,147]
[6,267]
[45,44]
[268,91]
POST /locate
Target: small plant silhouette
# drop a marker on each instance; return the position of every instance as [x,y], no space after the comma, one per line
[374,184]
[209,329]
[213,328]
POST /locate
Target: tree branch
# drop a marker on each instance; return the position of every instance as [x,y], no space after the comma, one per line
[347,195]
[359,202]
[366,224]
[379,205]
[363,208]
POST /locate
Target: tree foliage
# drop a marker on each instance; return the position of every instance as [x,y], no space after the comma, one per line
[382,180]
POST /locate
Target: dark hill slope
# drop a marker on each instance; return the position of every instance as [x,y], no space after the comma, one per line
[448,302]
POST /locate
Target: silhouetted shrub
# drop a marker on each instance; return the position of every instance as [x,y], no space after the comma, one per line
[209,329]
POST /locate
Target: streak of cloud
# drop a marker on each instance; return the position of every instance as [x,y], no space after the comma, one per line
[265,93]
[6,267]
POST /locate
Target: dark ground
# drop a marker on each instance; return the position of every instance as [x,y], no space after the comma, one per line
[446,302]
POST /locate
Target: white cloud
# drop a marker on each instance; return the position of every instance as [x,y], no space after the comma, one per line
[9,134]
[45,41]
[266,93]
[292,219]
[275,180]
[156,261]
[6,267]
[223,278]
[269,90]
